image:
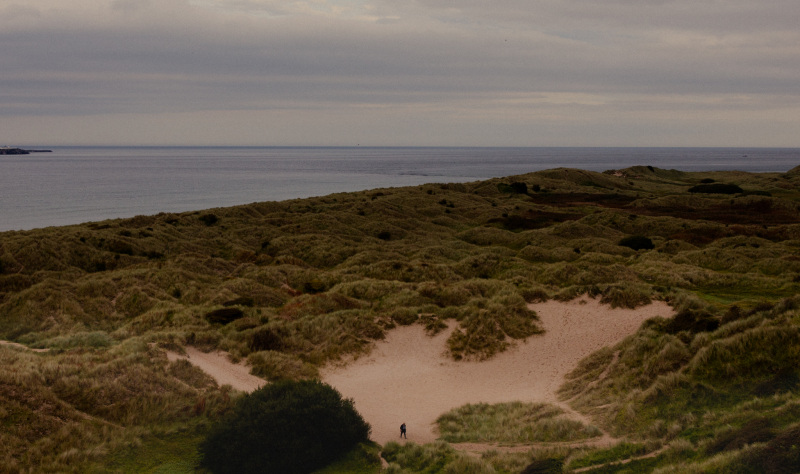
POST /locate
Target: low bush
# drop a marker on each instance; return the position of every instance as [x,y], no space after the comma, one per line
[266,339]
[224,315]
[637,242]
[754,431]
[545,466]
[716,188]
[209,219]
[780,455]
[692,321]
[516,187]
[287,427]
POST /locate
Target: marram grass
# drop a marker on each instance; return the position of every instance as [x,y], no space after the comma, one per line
[319,279]
[511,423]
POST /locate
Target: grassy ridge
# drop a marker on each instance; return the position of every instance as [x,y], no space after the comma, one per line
[303,282]
[513,422]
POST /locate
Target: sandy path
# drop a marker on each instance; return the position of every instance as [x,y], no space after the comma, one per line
[220,368]
[407,378]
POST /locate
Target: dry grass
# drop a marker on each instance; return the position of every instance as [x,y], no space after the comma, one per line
[327,276]
[515,422]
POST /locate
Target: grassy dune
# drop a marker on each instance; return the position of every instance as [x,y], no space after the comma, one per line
[290,286]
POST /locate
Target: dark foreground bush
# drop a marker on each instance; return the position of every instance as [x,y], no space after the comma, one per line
[284,427]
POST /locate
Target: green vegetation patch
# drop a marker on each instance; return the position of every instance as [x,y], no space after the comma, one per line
[286,426]
[293,285]
[513,422]
[619,452]
[431,458]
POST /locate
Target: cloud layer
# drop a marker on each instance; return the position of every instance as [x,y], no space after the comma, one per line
[420,72]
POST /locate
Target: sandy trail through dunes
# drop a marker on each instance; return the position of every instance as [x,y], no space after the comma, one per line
[408,378]
[220,368]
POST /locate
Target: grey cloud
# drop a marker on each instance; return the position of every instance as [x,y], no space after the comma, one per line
[173,56]
[15,12]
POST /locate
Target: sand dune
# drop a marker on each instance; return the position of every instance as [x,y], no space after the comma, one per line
[408,378]
[221,369]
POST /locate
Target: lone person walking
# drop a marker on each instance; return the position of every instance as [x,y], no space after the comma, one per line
[403,431]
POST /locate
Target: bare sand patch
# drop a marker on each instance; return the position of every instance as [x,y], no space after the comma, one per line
[408,377]
[220,368]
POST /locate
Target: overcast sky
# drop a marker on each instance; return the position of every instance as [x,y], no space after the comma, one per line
[400,72]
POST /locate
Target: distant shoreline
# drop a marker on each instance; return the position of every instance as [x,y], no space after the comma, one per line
[20,151]
[73,185]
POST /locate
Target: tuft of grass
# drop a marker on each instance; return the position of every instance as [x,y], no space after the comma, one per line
[273,365]
[618,452]
[514,422]
[363,459]
[438,457]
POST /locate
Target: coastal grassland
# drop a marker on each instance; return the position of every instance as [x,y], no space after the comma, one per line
[511,423]
[290,286]
[69,410]
[437,457]
[704,384]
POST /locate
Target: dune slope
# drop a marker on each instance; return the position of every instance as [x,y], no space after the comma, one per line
[408,377]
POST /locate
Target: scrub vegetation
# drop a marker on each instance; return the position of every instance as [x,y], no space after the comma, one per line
[286,426]
[513,422]
[292,285]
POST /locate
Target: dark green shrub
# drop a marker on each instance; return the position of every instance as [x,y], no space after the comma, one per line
[758,430]
[519,188]
[224,315]
[780,455]
[734,313]
[785,380]
[513,188]
[209,219]
[691,321]
[314,286]
[266,339]
[637,242]
[545,466]
[716,188]
[287,427]
[118,246]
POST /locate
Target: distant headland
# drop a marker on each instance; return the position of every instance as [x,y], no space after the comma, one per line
[19,151]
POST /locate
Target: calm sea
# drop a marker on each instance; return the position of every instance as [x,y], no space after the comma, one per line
[80,184]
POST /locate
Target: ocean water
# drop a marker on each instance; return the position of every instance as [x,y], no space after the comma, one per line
[80,184]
